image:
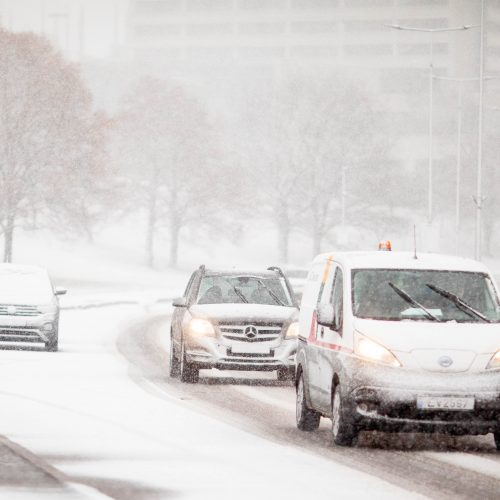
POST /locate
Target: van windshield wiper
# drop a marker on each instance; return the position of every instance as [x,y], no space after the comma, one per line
[271,293]
[460,303]
[413,302]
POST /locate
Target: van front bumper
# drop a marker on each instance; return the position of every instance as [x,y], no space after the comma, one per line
[385,398]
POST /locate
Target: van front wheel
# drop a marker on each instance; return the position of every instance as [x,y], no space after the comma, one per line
[307,419]
[344,431]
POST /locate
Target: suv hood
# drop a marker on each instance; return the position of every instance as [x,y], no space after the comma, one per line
[244,312]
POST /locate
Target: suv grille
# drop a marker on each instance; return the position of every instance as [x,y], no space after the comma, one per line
[251,332]
[18,310]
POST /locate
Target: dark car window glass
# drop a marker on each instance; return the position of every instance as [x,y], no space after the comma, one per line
[220,289]
[374,298]
[338,299]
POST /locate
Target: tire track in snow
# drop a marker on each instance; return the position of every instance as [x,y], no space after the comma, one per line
[413,462]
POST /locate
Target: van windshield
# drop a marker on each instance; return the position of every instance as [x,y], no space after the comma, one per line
[408,294]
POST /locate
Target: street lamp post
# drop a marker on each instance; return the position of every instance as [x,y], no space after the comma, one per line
[431,32]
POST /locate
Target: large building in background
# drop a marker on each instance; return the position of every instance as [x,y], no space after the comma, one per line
[334,32]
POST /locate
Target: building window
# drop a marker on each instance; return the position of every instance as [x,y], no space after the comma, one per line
[261,28]
[313,4]
[363,26]
[312,52]
[314,27]
[157,30]
[367,3]
[209,29]
[207,5]
[368,50]
[157,6]
[262,4]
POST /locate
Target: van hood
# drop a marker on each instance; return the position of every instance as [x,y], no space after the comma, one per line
[244,313]
[406,336]
[450,347]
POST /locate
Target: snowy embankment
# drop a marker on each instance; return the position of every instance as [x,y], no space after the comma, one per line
[81,411]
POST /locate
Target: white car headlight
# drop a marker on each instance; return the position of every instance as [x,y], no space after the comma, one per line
[201,328]
[47,308]
[292,331]
[372,351]
[494,361]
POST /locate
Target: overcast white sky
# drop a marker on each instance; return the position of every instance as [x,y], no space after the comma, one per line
[102,21]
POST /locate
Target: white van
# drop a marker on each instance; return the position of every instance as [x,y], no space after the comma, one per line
[392,342]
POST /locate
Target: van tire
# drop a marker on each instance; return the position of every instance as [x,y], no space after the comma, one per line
[496,435]
[344,430]
[174,367]
[307,419]
[188,372]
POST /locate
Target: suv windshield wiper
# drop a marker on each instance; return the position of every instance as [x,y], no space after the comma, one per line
[413,302]
[237,291]
[271,293]
[461,304]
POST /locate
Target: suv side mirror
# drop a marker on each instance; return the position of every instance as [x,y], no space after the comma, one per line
[60,291]
[179,302]
[326,315]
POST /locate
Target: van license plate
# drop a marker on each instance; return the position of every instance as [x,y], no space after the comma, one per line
[445,403]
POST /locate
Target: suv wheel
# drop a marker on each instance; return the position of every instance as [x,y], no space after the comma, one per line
[285,374]
[53,344]
[307,419]
[188,372]
[174,364]
[496,435]
[344,431]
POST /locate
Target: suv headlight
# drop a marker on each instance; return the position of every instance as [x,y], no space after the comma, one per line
[292,331]
[372,351]
[199,327]
[494,361]
[47,308]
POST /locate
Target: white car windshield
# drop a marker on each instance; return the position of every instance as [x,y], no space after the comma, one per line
[407,294]
[219,289]
[21,286]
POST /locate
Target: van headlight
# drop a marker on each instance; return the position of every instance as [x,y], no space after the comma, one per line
[199,327]
[372,351]
[494,361]
[292,331]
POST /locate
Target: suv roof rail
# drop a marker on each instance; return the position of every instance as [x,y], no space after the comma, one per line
[202,269]
[277,269]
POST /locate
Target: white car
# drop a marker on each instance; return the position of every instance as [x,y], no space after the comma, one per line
[29,306]
[392,342]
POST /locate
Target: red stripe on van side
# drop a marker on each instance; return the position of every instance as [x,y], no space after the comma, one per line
[333,347]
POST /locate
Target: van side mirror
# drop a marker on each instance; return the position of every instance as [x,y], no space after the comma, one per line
[325,315]
[179,302]
[60,291]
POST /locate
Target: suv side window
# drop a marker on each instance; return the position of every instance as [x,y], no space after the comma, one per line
[337,299]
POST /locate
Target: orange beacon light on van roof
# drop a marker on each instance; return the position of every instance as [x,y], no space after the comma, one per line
[385,246]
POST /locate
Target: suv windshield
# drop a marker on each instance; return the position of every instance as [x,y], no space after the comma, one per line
[19,286]
[407,294]
[243,289]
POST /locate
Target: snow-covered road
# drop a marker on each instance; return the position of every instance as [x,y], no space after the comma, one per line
[105,415]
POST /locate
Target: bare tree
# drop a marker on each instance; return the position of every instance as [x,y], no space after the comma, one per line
[168,148]
[51,142]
